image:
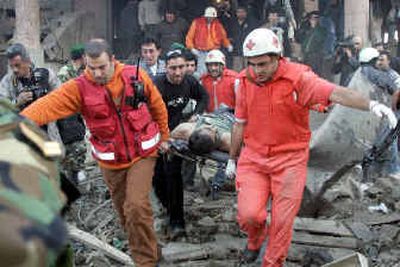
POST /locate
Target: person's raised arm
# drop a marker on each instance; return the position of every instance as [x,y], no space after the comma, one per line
[60,103]
[353,99]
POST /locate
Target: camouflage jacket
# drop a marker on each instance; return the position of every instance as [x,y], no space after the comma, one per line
[222,121]
[32,232]
[68,72]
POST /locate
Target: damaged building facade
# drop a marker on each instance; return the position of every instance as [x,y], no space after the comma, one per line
[66,22]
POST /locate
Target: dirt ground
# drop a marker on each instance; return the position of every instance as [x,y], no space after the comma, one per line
[213,237]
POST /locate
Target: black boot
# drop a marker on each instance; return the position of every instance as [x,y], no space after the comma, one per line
[249,256]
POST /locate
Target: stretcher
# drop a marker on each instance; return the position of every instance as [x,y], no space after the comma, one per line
[216,160]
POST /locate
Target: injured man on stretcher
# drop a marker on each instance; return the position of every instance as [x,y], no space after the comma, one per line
[205,140]
[207,132]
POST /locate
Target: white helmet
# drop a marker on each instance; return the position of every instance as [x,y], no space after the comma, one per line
[367,54]
[210,12]
[215,56]
[261,41]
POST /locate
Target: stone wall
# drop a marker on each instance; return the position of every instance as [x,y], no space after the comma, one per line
[73,28]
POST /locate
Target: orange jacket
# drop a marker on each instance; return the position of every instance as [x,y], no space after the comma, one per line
[277,111]
[204,37]
[66,100]
[221,90]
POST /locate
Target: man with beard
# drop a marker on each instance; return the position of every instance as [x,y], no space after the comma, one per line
[219,81]
[272,121]
[127,119]
[176,89]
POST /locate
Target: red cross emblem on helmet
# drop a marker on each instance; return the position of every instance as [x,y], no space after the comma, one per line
[275,42]
[250,44]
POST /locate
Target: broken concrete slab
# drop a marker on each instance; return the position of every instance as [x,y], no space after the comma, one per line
[343,135]
[362,231]
[328,227]
[353,260]
[324,240]
[384,219]
[177,251]
[297,252]
[388,235]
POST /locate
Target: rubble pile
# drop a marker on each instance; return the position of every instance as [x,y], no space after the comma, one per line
[368,223]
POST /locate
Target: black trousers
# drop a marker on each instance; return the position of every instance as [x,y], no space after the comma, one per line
[168,186]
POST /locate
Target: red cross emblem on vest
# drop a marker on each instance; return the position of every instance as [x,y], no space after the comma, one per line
[250,44]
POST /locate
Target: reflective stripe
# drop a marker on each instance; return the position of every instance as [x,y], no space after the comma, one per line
[236,86]
[152,142]
[240,120]
[103,156]
[295,96]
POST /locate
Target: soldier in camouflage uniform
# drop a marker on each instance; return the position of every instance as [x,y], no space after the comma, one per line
[75,144]
[75,67]
[32,232]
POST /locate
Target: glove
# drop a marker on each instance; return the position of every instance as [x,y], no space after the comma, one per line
[230,48]
[195,51]
[381,110]
[230,170]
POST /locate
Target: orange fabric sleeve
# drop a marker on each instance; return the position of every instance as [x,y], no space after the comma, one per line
[190,35]
[60,103]
[156,105]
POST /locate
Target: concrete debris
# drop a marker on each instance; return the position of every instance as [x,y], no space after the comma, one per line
[379,208]
[353,260]
[95,243]
[213,237]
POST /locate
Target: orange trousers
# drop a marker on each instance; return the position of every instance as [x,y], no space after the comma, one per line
[130,189]
[280,177]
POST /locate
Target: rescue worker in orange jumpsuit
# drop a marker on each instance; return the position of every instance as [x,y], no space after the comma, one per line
[219,81]
[272,120]
[205,34]
[128,124]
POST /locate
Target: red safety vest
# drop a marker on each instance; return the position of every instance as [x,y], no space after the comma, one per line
[221,90]
[275,121]
[118,133]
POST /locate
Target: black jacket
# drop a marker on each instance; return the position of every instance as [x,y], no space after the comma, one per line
[176,97]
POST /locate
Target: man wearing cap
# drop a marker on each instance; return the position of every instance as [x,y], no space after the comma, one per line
[176,89]
[72,129]
[272,120]
[206,33]
[219,81]
[76,65]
